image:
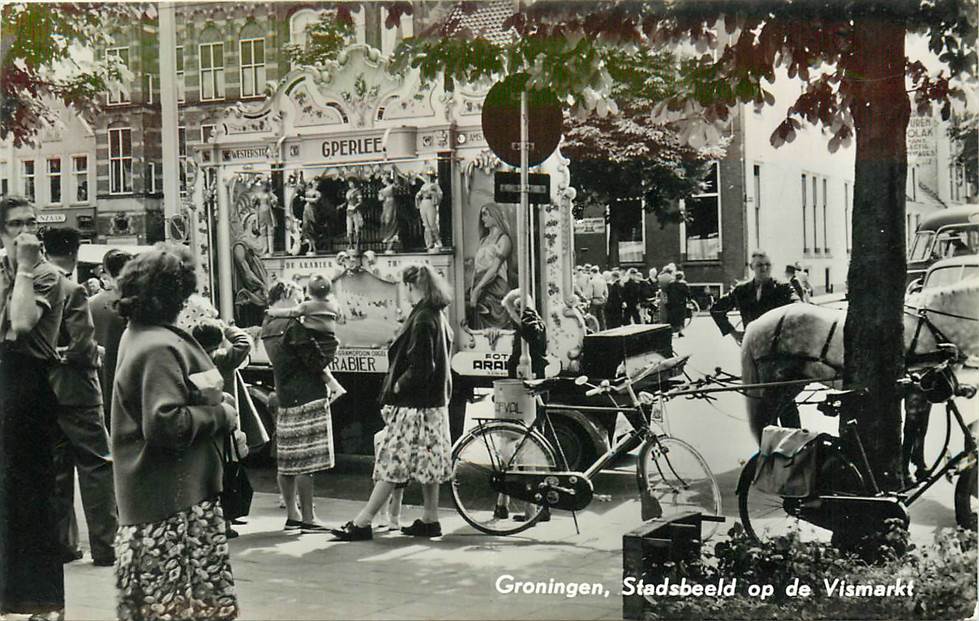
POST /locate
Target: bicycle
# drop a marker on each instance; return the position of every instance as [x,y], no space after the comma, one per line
[500,460]
[848,501]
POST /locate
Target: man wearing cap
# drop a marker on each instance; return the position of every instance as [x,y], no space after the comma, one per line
[631,295]
[793,280]
[753,297]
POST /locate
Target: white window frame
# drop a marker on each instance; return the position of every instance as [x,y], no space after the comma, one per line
[75,174]
[125,96]
[214,129]
[182,160]
[149,89]
[4,178]
[152,187]
[124,161]
[254,68]
[25,178]
[214,73]
[181,76]
[52,176]
[720,222]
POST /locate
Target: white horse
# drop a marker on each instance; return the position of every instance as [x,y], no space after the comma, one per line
[804,341]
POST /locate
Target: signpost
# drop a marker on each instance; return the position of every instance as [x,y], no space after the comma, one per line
[506,188]
[537,114]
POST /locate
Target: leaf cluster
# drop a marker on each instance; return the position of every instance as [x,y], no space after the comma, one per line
[42,51]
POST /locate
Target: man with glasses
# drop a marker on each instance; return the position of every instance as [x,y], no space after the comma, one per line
[31,307]
[753,298]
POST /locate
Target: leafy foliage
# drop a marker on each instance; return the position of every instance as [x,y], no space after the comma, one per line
[324,39]
[628,153]
[45,56]
[943,575]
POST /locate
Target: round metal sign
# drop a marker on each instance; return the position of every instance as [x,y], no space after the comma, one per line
[501,121]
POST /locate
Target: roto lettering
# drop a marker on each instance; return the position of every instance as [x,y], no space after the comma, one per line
[352,146]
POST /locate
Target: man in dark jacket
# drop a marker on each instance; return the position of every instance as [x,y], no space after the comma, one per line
[753,298]
[631,295]
[83,442]
[109,324]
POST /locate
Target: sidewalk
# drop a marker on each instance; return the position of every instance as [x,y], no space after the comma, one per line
[289,576]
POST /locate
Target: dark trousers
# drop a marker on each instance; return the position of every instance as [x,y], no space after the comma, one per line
[31,573]
[917,411]
[83,444]
[631,315]
[598,311]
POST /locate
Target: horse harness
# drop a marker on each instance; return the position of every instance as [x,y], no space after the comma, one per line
[773,353]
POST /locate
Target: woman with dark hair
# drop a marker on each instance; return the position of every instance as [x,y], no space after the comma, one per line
[491,270]
[169,419]
[304,427]
[414,394]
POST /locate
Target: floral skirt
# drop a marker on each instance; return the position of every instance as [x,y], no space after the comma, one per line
[176,569]
[304,438]
[416,446]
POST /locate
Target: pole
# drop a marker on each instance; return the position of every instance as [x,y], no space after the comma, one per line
[225,290]
[168,109]
[523,268]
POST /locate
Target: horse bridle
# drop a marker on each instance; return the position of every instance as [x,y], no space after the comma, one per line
[923,321]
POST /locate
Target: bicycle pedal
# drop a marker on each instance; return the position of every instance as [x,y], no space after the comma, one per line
[603,497]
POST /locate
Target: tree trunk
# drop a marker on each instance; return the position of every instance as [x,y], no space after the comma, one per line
[873,334]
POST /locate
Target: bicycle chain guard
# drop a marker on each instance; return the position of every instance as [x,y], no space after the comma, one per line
[569,491]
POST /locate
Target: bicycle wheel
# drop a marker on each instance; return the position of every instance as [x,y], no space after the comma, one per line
[486,452]
[966,502]
[764,516]
[676,476]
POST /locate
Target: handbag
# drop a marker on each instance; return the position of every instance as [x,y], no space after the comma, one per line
[237,492]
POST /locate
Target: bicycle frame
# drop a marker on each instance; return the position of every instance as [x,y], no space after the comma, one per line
[969,449]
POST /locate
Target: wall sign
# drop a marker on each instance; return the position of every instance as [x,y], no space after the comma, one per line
[244,153]
[346,147]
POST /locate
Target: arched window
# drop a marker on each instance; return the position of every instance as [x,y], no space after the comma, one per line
[251,51]
[211,55]
[301,20]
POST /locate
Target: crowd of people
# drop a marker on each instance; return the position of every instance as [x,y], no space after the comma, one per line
[619,297]
[612,298]
[134,384]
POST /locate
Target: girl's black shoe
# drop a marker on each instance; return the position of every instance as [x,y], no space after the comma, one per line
[352,532]
[421,529]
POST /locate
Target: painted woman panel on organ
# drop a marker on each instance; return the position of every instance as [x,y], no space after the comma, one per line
[491,270]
